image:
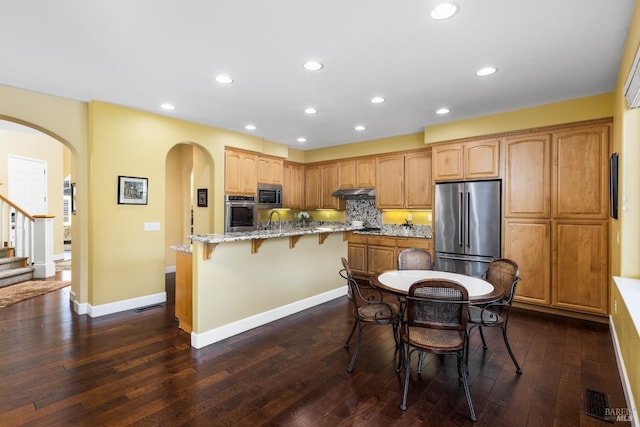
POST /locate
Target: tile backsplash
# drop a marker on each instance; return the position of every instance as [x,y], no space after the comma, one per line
[365,211]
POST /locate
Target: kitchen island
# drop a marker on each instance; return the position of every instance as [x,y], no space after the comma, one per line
[238,281]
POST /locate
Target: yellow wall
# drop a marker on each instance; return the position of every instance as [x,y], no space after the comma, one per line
[625,256]
[573,110]
[365,148]
[126,261]
[66,121]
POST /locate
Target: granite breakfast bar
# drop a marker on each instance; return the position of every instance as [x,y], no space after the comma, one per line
[230,283]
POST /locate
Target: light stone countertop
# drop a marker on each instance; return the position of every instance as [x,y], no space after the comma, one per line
[288,232]
[265,234]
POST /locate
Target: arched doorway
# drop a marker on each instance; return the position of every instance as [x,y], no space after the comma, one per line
[189,168]
[22,143]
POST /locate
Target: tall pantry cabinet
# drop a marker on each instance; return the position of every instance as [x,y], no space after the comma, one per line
[556,216]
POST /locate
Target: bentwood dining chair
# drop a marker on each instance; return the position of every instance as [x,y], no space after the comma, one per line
[368,309]
[435,321]
[414,259]
[505,273]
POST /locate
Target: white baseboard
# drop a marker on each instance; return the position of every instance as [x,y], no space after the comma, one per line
[199,340]
[78,308]
[626,385]
[129,304]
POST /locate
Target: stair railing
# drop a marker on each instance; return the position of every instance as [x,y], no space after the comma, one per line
[17,229]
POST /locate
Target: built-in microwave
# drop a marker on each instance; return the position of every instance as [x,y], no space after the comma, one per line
[269,196]
[239,213]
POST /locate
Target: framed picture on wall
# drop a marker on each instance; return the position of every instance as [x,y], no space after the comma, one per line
[203,197]
[73,198]
[132,190]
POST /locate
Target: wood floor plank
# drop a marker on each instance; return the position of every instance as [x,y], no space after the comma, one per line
[136,368]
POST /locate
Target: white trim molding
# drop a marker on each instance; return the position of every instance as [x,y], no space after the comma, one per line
[129,304]
[218,334]
[626,385]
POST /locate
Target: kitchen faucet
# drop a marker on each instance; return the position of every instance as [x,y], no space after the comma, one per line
[279,220]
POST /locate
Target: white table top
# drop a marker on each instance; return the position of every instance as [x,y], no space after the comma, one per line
[399,282]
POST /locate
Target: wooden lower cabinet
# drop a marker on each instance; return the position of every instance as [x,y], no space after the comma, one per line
[370,255]
[580,275]
[357,256]
[184,294]
[528,242]
[563,263]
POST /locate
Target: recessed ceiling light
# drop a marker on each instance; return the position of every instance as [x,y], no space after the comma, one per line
[359,128]
[310,110]
[167,106]
[486,71]
[377,100]
[302,139]
[224,79]
[250,127]
[313,66]
[444,11]
[442,111]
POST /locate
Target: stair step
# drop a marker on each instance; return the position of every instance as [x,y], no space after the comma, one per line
[16,275]
[4,252]
[10,263]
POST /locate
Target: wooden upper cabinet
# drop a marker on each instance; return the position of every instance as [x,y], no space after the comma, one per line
[581,173]
[293,186]
[448,162]
[482,159]
[328,185]
[366,172]
[347,174]
[418,186]
[390,181]
[239,172]
[527,176]
[312,187]
[357,173]
[404,181]
[270,170]
[467,160]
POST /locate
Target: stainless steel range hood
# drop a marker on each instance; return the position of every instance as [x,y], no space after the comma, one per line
[356,193]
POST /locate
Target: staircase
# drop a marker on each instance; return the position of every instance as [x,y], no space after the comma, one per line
[13,269]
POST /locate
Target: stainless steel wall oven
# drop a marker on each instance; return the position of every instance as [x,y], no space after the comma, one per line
[239,213]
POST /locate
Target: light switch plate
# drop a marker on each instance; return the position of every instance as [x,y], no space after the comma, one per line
[151,226]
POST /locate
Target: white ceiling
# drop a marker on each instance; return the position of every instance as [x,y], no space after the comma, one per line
[143,53]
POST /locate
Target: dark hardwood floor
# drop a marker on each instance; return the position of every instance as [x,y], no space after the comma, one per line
[137,368]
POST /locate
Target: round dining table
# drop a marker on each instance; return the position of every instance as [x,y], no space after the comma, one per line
[398,282]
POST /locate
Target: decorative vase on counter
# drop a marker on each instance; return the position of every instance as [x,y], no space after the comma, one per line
[406,231]
[303,216]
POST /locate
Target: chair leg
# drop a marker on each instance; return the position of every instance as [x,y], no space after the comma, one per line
[407,370]
[484,343]
[506,342]
[463,368]
[353,329]
[355,352]
[420,361]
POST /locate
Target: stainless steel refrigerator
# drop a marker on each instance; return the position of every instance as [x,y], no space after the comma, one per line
[467,227]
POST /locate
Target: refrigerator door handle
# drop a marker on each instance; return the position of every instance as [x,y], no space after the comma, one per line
[466,227]
[460,218]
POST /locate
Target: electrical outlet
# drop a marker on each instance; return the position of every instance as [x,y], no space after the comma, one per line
[409,217]
[615,307]
[327,215]
[430,217]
